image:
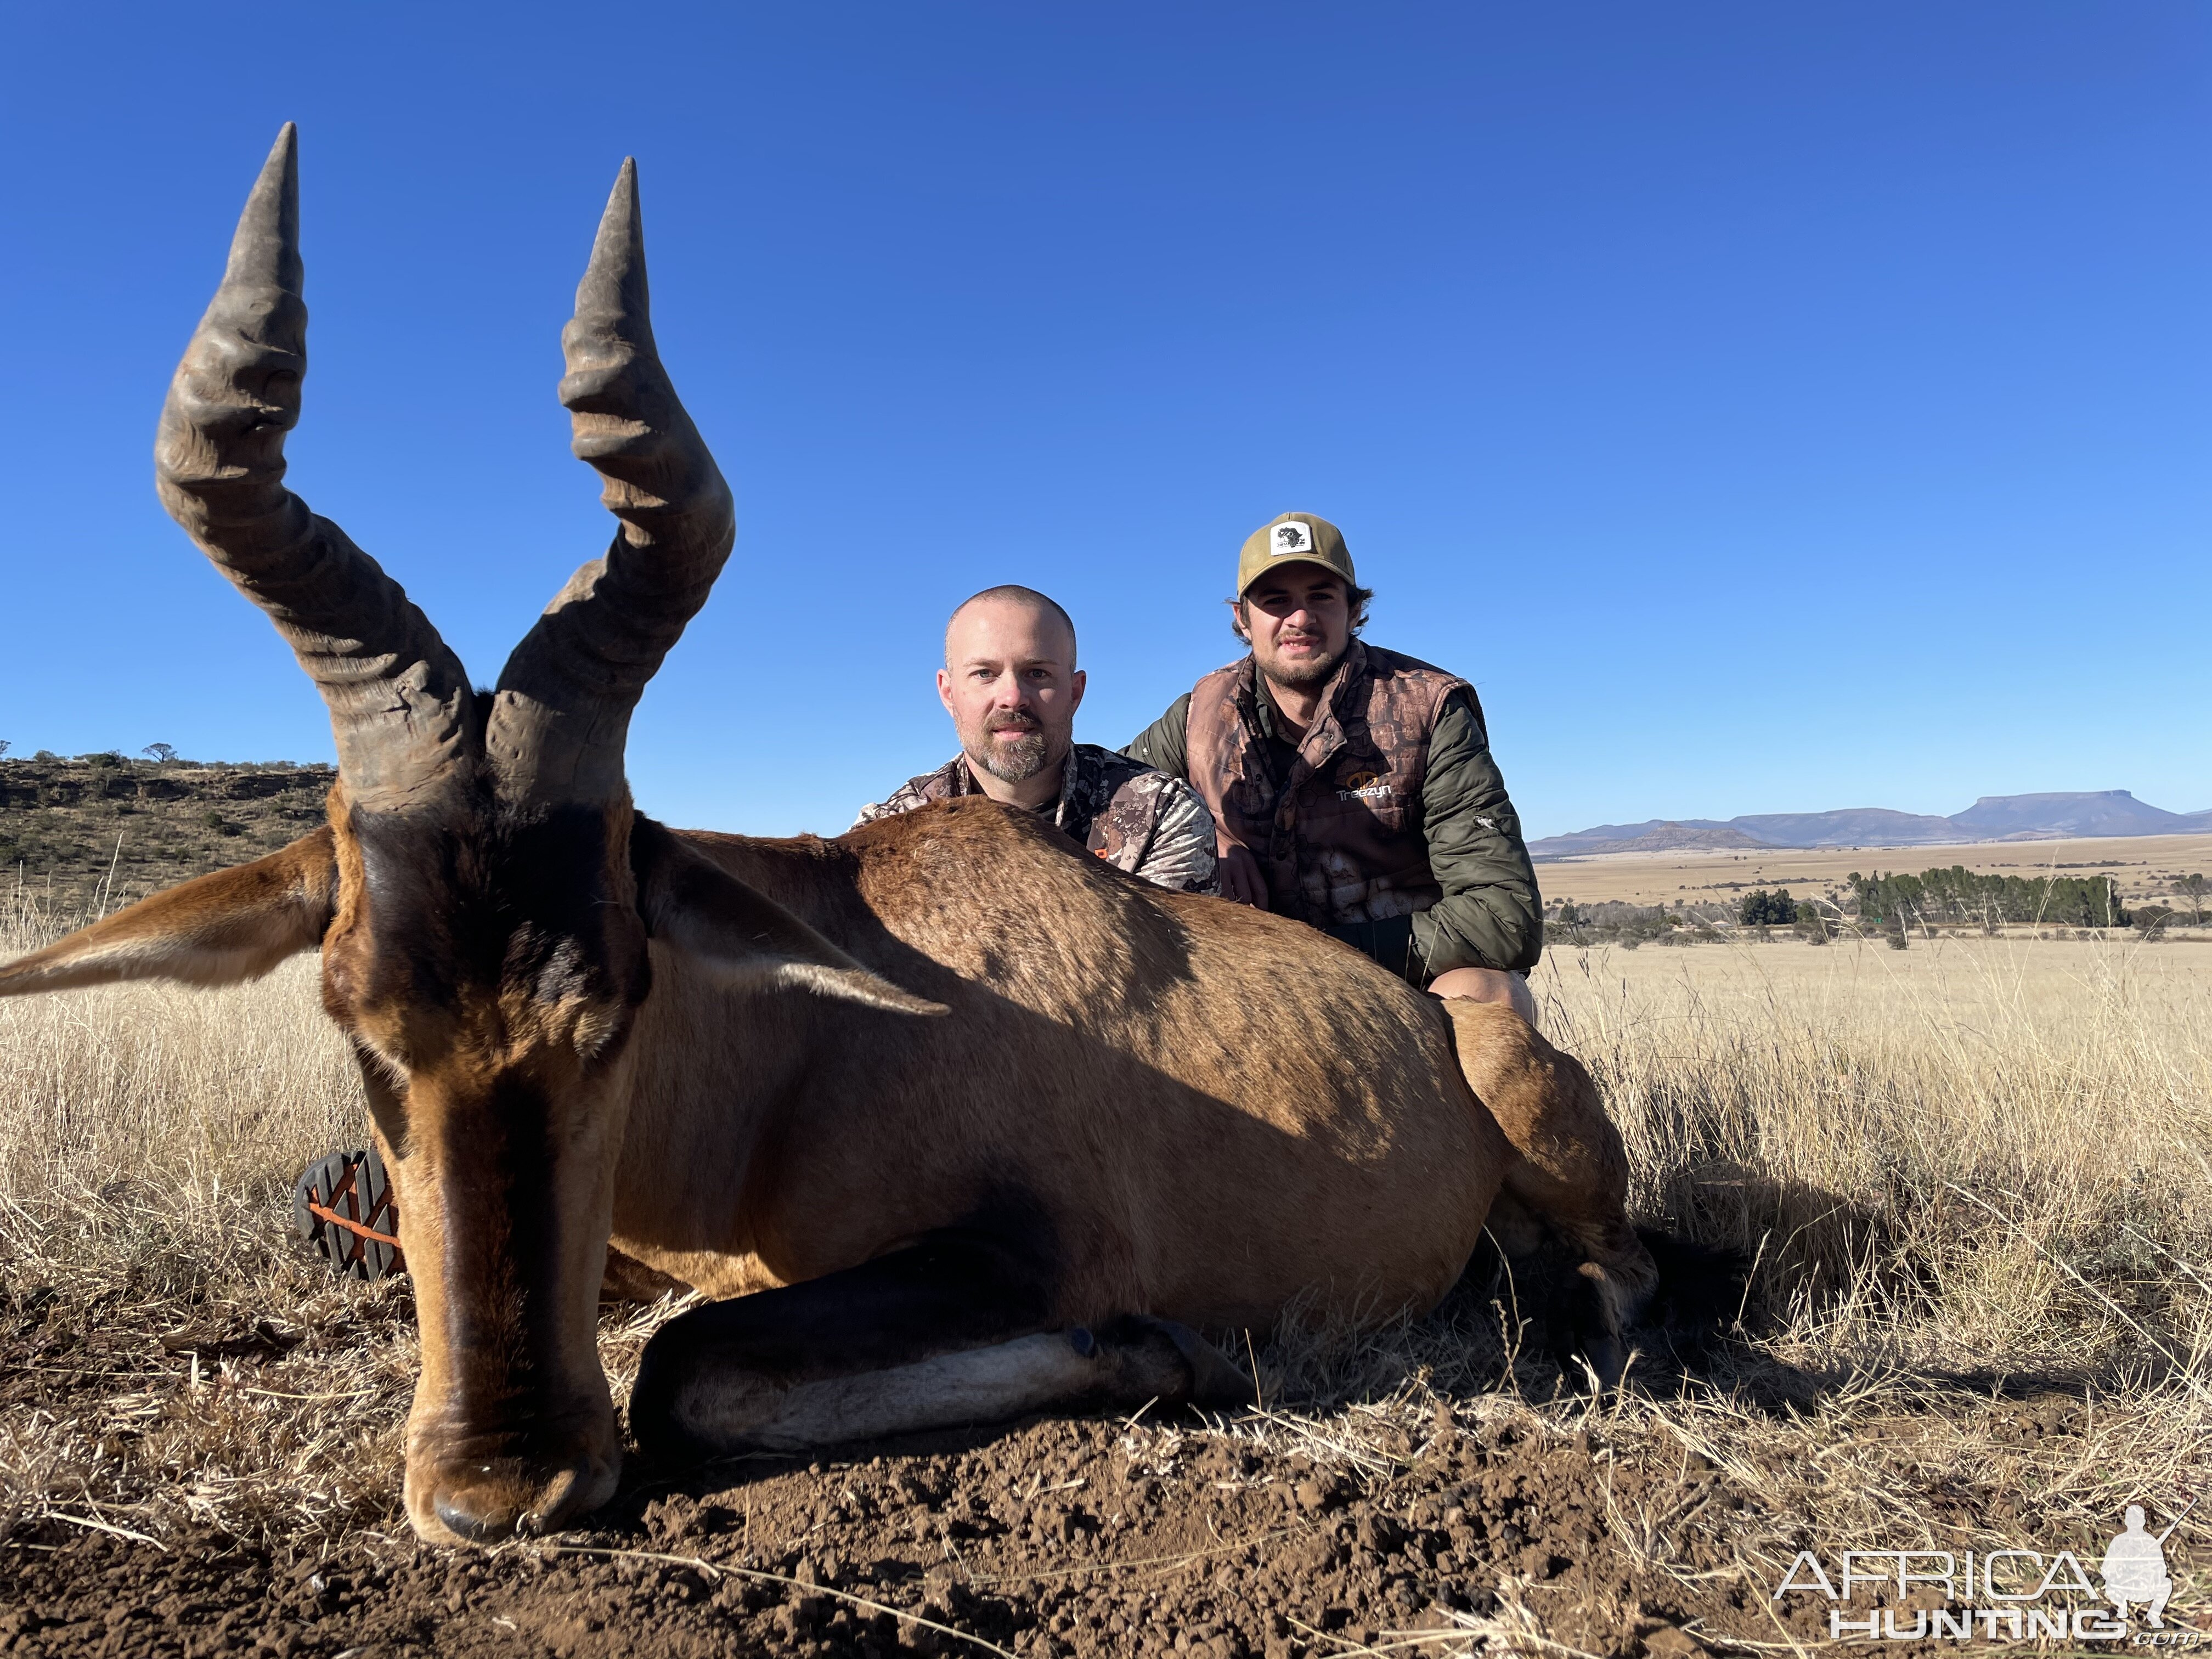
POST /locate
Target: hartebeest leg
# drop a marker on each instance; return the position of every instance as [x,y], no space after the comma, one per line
[942,1333]
[1568,1168]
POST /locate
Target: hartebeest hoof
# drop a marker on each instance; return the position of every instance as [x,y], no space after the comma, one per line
[1595,1337]
[1207,1379]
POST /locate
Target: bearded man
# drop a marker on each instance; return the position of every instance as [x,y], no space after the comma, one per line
[1011,685]
[1353,787]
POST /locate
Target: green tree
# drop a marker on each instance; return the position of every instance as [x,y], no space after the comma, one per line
[1764,909]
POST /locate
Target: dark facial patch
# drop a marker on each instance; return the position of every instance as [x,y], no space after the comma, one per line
[488,963]
[502,1298]
[477,902]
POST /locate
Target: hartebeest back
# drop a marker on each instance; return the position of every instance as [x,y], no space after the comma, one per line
[960,1121]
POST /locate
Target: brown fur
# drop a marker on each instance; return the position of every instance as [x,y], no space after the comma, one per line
[1113,1051]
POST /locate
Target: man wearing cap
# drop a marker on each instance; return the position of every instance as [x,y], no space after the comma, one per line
[1011,686]
[1353,787]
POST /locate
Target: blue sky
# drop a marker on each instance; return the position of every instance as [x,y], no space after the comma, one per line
[1767,407]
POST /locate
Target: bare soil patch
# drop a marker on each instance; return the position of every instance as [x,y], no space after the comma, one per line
[1432,1518]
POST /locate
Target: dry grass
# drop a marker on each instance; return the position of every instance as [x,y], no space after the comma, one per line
[1976,1154]
[1974,1178]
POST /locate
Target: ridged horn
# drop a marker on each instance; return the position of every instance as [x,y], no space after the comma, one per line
[400,700]
[561,717]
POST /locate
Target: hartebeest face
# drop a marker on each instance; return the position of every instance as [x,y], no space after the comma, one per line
[487,967]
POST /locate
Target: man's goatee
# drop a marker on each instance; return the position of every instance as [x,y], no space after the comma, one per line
[1016,762]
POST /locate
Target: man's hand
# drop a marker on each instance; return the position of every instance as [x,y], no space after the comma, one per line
[1241,880]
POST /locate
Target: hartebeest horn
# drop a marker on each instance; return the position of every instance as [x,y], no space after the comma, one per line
[400,700]
[562,713]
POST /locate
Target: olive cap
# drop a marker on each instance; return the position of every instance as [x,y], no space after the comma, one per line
[1293,538]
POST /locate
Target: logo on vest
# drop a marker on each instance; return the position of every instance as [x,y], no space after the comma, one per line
[1292,538]
[1363,785]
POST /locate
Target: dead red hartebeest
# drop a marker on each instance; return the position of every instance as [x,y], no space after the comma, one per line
[955,1122]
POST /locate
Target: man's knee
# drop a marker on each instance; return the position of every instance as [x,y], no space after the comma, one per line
[1487,985]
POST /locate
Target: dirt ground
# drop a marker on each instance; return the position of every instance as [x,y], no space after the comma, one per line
[1518,1517]
[1102,1536]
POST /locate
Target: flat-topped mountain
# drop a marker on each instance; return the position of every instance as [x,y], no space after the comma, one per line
[1993,818]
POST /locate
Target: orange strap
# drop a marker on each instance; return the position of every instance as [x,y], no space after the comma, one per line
[360,1230]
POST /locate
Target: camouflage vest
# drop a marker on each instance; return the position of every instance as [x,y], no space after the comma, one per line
[1340,839]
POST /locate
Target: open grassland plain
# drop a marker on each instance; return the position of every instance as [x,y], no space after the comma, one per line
[2144,866]
[1974,1180]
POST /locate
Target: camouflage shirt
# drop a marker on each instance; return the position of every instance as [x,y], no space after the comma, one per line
[1135,819]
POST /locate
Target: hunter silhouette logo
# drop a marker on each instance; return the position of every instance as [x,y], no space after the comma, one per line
[1290,538]
[2134,1567]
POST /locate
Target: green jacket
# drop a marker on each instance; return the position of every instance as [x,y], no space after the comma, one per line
[1490,915]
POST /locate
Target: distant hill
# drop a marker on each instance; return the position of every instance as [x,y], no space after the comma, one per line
[102,831]
[2106,813]
[1993,818]
[1652,835]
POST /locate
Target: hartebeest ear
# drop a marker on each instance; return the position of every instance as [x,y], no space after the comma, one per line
[704,911]
[212,930]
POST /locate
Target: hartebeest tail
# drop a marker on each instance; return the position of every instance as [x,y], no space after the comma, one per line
[958,1121]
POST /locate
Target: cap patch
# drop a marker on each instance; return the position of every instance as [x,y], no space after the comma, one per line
[1290,537]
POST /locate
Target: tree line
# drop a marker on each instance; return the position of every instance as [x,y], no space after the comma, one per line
[1959,893]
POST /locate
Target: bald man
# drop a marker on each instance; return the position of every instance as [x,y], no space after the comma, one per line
[1011,685]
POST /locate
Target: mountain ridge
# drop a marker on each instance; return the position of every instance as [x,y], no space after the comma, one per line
[2046,816]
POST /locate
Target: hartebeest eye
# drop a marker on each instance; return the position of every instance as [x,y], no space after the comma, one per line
[382,1066]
